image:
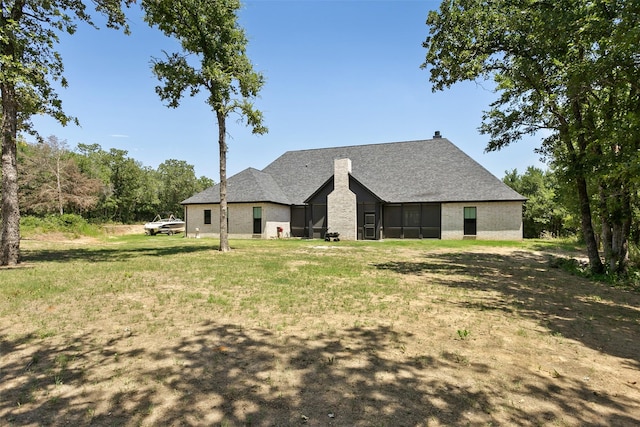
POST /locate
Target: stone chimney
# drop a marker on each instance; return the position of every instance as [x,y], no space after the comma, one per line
[341,203]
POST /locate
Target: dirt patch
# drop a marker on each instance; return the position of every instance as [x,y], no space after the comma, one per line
[121,230]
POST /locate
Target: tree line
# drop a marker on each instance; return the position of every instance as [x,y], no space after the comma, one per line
[552,206]
[100,185]
[109,186]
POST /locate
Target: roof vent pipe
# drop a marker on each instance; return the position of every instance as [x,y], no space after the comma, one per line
[437,135]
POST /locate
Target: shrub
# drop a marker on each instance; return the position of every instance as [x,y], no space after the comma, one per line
[66,223]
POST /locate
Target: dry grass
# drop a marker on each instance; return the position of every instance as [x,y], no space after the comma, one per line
[167,331]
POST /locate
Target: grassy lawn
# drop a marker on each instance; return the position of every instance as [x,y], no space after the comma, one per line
[136,330]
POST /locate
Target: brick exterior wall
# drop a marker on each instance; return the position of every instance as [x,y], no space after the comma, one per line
[495,220]
[240,220]
[341,203]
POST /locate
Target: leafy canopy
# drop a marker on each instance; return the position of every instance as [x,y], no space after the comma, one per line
[213,56]
[30,65]
[568,67]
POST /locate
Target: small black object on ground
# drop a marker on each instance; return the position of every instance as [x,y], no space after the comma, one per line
[335,236]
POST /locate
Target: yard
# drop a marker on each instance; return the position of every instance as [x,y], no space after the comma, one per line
[134,330]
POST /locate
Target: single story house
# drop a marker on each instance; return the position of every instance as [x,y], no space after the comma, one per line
[413,189]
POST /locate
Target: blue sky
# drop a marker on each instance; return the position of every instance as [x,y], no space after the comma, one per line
[337,73]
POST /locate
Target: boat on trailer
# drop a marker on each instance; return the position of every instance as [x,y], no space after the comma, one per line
[169,226]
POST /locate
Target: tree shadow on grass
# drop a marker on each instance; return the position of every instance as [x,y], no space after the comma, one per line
[43,380]
[109,254]
[601,317]
[224,374]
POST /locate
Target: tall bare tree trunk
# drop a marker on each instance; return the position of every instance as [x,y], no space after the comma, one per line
[222,135]
[616,246]
[59,182]
[10,239]
[578,164]
[595,263]
[616,228]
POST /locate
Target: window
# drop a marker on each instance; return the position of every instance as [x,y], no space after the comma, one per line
[470,217]
[257,220]
[207,216]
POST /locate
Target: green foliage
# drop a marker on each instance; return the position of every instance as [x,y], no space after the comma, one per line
[29,30]
[544,213]
[579,85]
[129,192]
[211,32]
[571,265]
[116,187]
[177,181]
[463,334]
[630,280]
[67,223]
[634,254]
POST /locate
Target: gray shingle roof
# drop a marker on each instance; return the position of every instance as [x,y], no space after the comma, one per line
[433,170]
[250,185]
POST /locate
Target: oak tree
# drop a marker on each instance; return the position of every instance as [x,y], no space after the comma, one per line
[213,59]
[569,68]
[29,65]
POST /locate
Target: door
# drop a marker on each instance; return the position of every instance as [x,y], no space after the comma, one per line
[370,225]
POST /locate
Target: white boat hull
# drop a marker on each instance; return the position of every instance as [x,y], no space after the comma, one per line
[168,226]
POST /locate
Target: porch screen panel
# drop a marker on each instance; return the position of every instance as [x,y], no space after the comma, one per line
[392,221]
[411,221]
[298,222]
[430,221]
[319,220]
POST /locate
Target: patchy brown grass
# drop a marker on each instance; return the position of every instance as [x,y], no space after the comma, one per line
[393,335]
